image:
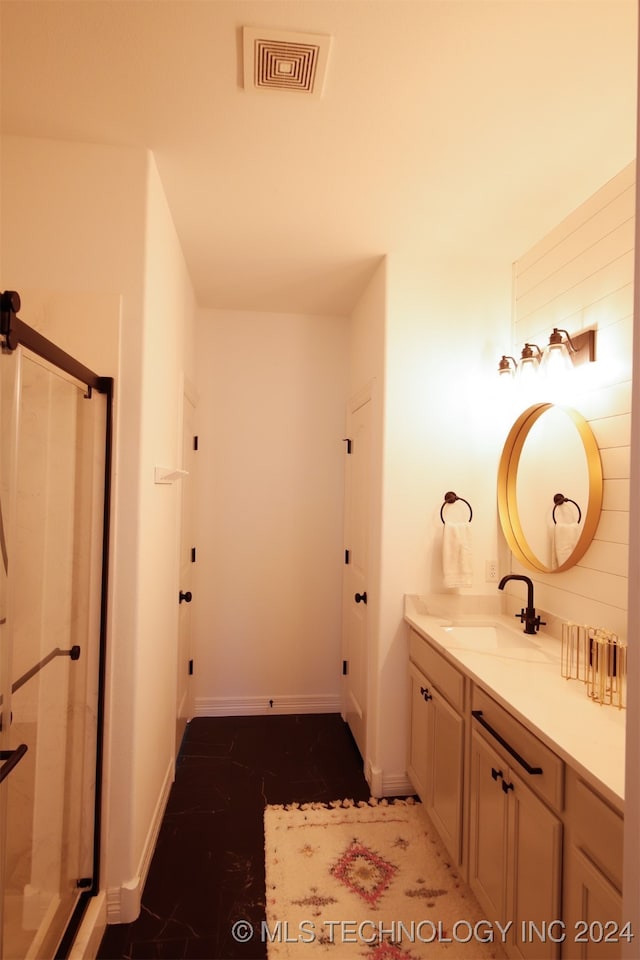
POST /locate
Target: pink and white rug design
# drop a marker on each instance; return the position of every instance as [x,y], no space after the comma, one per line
[367,880]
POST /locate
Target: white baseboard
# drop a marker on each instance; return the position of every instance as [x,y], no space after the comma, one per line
[124,902]
[373,776]
[262,706]
[397,785]
[384,784]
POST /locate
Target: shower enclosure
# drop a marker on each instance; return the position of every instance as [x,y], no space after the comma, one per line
[55,440]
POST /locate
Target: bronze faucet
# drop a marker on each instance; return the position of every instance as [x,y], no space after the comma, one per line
[531,621]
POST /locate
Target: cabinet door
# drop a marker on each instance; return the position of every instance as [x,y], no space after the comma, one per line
[444,786]
[436,759]
[534,863]
[593,911]
[418,732]
[488,829]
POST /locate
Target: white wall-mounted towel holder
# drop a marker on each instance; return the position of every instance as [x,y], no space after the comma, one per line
[451,497]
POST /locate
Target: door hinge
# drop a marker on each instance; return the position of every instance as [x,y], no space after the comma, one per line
[190,668]
[348,443]
[345,668]
[347,556]
[193,554]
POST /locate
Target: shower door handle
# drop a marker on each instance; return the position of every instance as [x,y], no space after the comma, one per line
[11,759]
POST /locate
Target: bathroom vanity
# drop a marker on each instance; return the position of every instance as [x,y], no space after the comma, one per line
[523,777]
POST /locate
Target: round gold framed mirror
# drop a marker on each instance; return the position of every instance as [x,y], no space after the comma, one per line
[549,487]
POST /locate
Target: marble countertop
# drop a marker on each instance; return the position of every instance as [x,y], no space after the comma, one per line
[526,679]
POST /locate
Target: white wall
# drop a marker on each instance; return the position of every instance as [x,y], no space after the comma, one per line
[267,588]
[580,276]
[429,336]
[87,226]
[444,325]
[167,356]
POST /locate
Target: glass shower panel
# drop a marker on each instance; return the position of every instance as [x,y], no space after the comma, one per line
[7,377]
[54,547]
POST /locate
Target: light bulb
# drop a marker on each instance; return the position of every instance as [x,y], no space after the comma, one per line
[556,368]
[556,362]
[529,363]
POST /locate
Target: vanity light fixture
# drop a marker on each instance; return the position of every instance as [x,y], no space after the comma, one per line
[556,361]
[561,356]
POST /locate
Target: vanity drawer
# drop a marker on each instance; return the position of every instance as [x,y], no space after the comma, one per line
[521,748]
[448,680]
[595,827]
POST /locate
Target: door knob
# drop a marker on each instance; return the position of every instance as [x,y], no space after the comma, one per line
[361,597]
[187,597]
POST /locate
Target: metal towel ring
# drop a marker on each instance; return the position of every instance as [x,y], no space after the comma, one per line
[451,497]
[558,499]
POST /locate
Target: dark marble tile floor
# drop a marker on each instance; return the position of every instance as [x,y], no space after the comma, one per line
[208,867]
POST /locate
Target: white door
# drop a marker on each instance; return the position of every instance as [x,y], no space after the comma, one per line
[356,598]
[188,556]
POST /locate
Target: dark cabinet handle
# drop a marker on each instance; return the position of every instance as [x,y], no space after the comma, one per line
[361,597]
[506,786]
[425,693]
[187,597]
[496,774]
[11,758]
[532,771]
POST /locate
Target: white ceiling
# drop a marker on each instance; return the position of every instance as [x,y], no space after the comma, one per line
[447,128]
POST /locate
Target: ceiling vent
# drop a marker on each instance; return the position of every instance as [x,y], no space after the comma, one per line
[277,60]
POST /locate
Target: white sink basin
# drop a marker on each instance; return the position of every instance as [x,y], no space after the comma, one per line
[487,636]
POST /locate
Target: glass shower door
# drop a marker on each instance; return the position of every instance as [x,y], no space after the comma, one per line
[51,495]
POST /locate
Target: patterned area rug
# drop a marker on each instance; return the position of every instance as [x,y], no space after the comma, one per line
[370,881]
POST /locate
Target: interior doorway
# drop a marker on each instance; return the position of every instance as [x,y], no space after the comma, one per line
[356,580]
[188,556]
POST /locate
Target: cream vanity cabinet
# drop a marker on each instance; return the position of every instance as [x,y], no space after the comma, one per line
[437,740]
[540,847]
[592,882]
[515,829]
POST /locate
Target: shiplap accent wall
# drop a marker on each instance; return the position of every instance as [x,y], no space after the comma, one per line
[580,276]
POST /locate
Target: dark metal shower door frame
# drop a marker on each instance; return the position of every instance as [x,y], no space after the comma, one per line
[15,332]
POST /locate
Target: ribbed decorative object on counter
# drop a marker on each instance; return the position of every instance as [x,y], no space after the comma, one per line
[575,651]
[597,657]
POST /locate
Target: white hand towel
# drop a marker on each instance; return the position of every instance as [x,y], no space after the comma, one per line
[457,561]
[565,537]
